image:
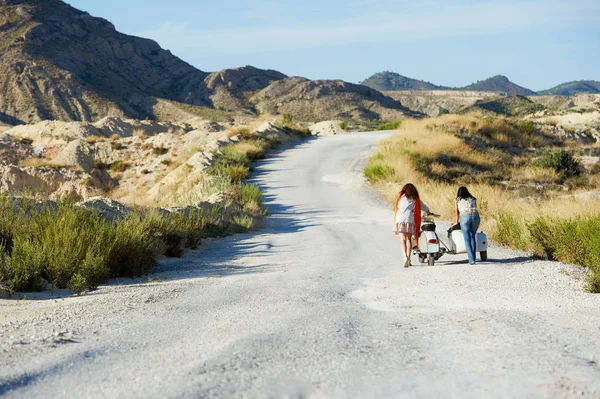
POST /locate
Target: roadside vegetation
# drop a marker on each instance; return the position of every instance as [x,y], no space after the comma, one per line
[532,191]
[46,244]
[66,246]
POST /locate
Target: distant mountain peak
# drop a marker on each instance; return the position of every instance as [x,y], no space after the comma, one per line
[499,84]
[392,81]
[576,87]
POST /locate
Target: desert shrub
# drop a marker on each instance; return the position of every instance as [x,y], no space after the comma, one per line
[159,150]
[510,231]
[236,173]
[232,156]
[390,125]
[287,119]
[527,127]
[55,244]
[247,194]
[118,166]
[166,162]
[561,161]
[375,172]
[116,145]
[242,223]
[94,139]
[72,247]
[343,125]
[100,165]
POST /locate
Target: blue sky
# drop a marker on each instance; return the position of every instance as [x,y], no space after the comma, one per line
[536,43]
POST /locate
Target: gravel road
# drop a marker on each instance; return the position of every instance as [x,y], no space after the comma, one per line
[315,305]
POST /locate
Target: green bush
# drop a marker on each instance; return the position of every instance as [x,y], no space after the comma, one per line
[343,125]
[235,173]
[510,232]
[72,247]
[563,163]
[118,166]
[390,126]
[573,241]
[233,156]
[247,193]
[376,171]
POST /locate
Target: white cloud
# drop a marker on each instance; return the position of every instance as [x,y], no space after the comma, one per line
[433,21]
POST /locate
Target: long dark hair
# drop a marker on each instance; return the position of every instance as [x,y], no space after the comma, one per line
[410,191]
[463,193]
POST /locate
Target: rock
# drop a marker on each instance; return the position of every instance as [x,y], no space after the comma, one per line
[78,154]
[164,140]
[205,125]
[326,128]
[44,285]
[4,127]
[199,139]
[268,129]
[217,198]
[110,209]
[201,160]
[104,153]
[16,180]
[5,292]
[71,190]
[54,132]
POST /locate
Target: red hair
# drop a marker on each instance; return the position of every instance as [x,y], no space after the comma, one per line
[410,191]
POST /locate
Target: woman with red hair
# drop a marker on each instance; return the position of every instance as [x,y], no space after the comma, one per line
[407,218]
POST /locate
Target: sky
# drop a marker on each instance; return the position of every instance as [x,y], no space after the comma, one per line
[536,43]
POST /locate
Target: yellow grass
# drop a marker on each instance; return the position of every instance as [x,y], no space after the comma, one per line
[140,133]
[426,138]
[95,139]
[41,162]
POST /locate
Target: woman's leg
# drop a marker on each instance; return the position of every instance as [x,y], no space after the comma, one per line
[409,247]
[404,249]
[466,227]
[475,221]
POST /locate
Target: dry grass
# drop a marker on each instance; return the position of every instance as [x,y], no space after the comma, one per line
[140,133]
[41,162]
[95,139]
[413,155]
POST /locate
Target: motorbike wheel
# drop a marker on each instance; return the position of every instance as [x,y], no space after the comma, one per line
[483,255]
[422,258]
[431,261]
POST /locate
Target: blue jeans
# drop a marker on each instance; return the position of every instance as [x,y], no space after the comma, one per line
[469,224]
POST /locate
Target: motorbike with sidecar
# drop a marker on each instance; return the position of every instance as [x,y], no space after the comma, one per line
[430,248]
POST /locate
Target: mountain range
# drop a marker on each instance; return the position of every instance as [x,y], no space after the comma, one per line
[391,81]
[57,62]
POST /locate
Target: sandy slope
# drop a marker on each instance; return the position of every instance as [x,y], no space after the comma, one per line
[316,305]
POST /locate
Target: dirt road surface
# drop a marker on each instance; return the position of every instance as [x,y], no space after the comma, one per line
[315,305]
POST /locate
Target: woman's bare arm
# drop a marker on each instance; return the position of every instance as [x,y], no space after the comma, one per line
[456,214]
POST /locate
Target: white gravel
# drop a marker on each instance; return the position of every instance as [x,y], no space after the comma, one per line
[315,305]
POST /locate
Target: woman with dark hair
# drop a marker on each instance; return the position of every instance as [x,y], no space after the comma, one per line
[407,218]
[465,206]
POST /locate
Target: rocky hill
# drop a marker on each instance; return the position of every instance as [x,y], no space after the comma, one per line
[511,105]
[327,99]
[499,84]
[59,63]
[391,81]
[230,89]
[571,88]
